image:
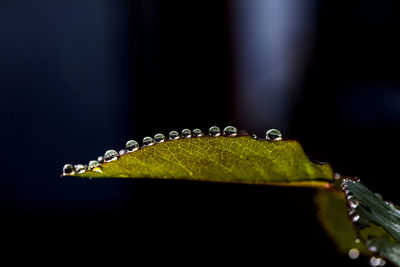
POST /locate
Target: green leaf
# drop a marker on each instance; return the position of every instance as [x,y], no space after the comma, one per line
[370,208]
[239,159]
[367,211]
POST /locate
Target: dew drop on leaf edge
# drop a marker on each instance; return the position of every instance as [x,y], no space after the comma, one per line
[93,164]
[214,131]
[273,135]
[110,155]
[230,131]
[173,135]
[148,141]
[80,168]
[68,169]
[197,133]
[159,138]
[132,145]
[186,133]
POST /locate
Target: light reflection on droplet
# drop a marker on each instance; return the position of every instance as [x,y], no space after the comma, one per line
[132,145]
[214,131]
[93,164]
[68,169]
[230,131]
[186,133]
[148,141]
[159,138]
[273,135]
[110,155]
[197,133]
[173,135]
[80,168]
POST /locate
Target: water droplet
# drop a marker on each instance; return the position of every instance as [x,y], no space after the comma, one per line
[110,155]
[356,179]
[159,138]
[274,135]
[337,176]
[230,131]
[353,202]
[100,159]
[122,152]
[354,253]
[173,135]
[186,133]
[68,169]
[374,261]
[357,240]
[132,145]
[254,136]
[371,246]
[214,131]
[93,164]
[148,141]
[354,217]
[80,168]
[197,133]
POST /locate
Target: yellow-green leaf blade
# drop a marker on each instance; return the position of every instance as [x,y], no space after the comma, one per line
[240,159]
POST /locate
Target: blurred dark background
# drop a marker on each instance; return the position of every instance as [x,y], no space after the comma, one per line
[80,77]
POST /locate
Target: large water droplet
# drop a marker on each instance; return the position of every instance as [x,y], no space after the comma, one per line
[110,155]
[148,141]
[230,131]
[354,253]
[93,164]
[214,131]
[80,168]
[186,133]
[132,145]
[273,135]
[173,135]
[337,176]
[68,169]
[159,138]
[197,133]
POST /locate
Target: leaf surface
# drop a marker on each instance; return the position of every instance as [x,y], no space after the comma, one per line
[239,159]
[369,211]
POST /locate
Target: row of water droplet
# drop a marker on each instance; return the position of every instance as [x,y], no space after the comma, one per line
[353,203]
[132,145]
